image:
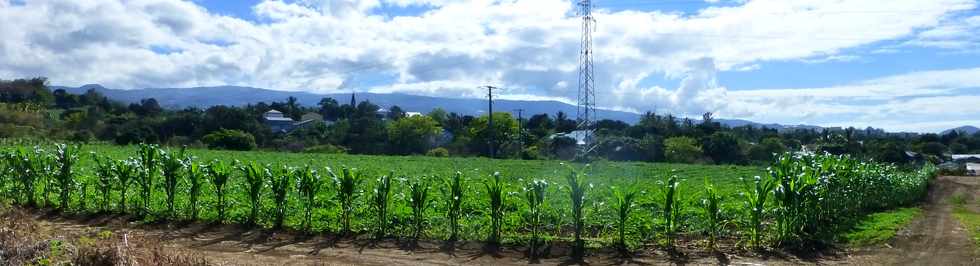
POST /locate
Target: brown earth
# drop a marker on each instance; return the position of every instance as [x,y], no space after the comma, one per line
[935,238]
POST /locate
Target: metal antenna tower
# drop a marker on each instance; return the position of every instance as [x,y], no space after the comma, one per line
[586,114]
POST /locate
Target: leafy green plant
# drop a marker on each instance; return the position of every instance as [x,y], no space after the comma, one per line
[625,198]
[280,188]
[195,179]
[495,195]
[148,155]
[419,201]
[454,204]
[347,192]
[219,173]
[173,165]
[255,176]
[534,192]
[104,172]
[66,156]
[309,184]
[672,207]
[755,201]
[712,212]
[577,187]
[124,172]
[382,196]
[28,165]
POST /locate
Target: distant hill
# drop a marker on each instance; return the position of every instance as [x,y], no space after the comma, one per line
[969,130]
[204,97]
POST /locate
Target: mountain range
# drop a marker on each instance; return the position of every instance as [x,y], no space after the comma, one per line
[969,130]
[204,97]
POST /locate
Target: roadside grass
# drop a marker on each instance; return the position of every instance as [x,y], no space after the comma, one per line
[879,227]
[969,219]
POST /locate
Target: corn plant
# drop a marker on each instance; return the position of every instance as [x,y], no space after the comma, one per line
[148,155]
[173,165]
[28,166]
[219,173]
[419,202]
[382,195]
[105,173]
[454,204]
[66,157]
[755,201]
[83,194]
[347,192]
[625,198]
[712,212]
[195,175]
[280,188]
[577,187]
[672,207]
[534,193]
[255,176]
[308,185]
[124,171]
[495,195]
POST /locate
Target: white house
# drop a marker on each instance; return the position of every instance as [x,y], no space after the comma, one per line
[973,169]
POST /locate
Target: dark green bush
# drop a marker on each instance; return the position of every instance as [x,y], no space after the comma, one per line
[230,140]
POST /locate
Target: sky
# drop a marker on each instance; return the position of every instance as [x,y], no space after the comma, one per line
[901,65]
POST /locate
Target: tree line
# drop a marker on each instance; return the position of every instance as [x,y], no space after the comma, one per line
[32,110]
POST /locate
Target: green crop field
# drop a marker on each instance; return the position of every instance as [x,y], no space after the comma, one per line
[602,203]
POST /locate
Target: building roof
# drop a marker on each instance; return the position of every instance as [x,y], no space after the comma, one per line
[273,111]
[973,166]
[411,114]
[965,156]
[279,119]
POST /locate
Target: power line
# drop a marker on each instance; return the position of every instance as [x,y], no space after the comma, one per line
[493,135]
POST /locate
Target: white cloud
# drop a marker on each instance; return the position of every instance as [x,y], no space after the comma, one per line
[529,46]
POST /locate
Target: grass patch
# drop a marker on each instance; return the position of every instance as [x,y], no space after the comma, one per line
[879,227]
[969,219]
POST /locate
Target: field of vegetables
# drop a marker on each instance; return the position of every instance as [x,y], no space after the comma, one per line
[801,198]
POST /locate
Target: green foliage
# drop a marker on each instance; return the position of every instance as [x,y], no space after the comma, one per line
[437,152]
[495,197]
[412,135]
[534,192]
[723,148]
[105,173]
[382,196]
[219,173]
[712,212]
[454,203]
[625,198]
[673,206]
[230,139]
[577,187]
[308,187]
[125,171]
[280,180]
[195,175]
[173,165]
[879,227]
[66,156]
[148,155]
[347,192]
[419,203]
[755,204]
[682,150]
[255,176]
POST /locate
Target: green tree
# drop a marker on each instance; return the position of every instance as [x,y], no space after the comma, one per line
[682,150]
[413,135]
[766,150]
[230,139]
[723,148]
[504,130]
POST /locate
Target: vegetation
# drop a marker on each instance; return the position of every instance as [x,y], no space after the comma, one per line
[804,198]
[879,227]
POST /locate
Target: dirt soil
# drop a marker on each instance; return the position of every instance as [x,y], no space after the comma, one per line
[935,238]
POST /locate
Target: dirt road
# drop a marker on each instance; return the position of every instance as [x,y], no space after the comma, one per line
[936,237]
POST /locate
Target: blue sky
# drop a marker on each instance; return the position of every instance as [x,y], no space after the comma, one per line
[894,64]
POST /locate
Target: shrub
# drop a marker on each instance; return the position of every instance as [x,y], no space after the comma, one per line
[682,150]
[438,152]
[230,139]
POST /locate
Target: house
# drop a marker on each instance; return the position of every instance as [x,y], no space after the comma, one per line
[411,114]
[278,122]
[973,169]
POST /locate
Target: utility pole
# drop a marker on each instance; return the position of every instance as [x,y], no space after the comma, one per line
[520,127]
[586,111]
[493,133]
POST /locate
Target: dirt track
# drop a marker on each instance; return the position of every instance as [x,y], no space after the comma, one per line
[935,238]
